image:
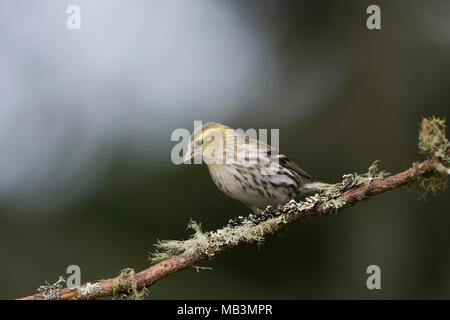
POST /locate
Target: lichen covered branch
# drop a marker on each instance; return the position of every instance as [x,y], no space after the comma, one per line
[175,255]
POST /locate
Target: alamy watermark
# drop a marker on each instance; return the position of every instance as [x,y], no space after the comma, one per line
[217,144]
[373,21]
[73,21]
[74,280]
[374,280]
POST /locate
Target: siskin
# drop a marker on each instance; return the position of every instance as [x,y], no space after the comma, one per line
[247,169]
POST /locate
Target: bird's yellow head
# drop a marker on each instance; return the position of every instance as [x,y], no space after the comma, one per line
[206,140]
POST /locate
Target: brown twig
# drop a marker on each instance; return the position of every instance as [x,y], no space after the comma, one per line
[156,272]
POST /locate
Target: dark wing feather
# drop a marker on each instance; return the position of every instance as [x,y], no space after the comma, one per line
[285,162]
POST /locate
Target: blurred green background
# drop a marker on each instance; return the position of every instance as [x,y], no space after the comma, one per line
[86,118]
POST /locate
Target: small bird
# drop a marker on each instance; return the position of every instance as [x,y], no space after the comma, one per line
[247,169]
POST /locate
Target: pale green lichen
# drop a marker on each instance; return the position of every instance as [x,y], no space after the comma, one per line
[374,172]
[432,138]
[351,180]
[169,248]
[434,183]
[205,243]
[50,291]
[334,204]
[330,198]
[90,289]
[127,280]
[433,141]
[198,268]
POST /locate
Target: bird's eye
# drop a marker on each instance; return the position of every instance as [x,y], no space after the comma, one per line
[199,142]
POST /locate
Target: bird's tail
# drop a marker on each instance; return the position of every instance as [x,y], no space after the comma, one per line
[315,185]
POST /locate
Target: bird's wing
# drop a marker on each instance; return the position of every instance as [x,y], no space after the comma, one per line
[283,160]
